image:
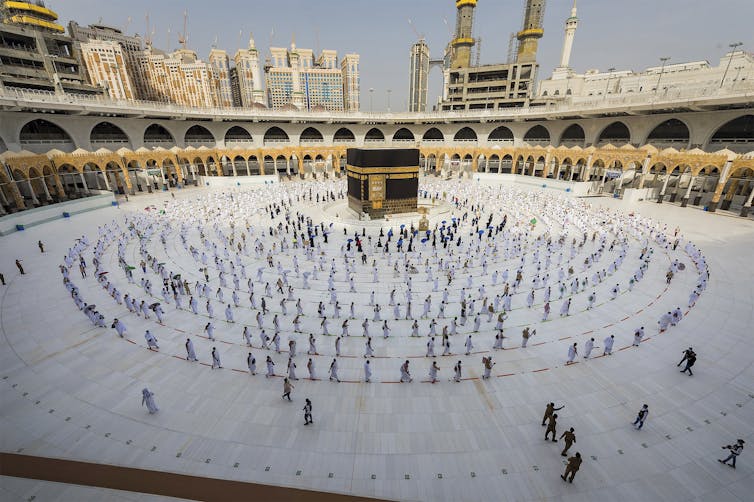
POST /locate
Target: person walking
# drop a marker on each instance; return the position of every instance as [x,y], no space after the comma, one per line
[569,437]
[287,388]
[308,412]
[147,398]
[20,267]
[549,410]
[551,428]
[641,417]
[690,357]
[735,451]
[572,468]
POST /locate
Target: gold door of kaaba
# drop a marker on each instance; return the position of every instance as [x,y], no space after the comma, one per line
[382,181]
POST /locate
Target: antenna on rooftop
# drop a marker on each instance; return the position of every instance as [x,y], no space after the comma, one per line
[147,34]
[128,23]
[316,40]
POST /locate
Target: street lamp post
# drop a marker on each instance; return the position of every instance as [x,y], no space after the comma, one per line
[662,70]
[733,48]
[371,94]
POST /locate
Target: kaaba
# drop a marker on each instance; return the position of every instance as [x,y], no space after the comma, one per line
[382,181]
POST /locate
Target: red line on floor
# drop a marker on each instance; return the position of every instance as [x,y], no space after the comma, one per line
[537,371]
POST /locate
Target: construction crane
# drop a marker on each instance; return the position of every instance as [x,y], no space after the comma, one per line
[183,37]
[512,47]
[416,32]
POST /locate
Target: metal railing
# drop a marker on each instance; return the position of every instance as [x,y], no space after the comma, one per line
[672,98]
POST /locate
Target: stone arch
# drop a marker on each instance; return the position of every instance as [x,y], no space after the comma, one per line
[255,168]
[268,163]
[506,164]
[616,133]
[668,133]
[311,135]
[344,135]
[433,134]
[736,135]
[3,147]
[201,168]
[107,134]
[198,135]
[40,135]
[465,134]
[481,163]
[403,134]
[493,163]
[238,134]
[275,135]
[239,164]
[537,135]
[374,135]
[156,134]
[281,164]
[501,134]
[573,136]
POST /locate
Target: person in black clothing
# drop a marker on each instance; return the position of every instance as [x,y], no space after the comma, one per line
[690,357]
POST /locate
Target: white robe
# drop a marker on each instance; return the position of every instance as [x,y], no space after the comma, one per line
[147,398]
[190,353]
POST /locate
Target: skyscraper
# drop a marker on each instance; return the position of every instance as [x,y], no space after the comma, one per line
[293,77]
[349,67]
[220,63]
[418,77]
[106,66]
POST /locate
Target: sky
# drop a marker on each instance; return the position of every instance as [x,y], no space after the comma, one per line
[625,34]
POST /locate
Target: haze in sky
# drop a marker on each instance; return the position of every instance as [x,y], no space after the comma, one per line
[612,33]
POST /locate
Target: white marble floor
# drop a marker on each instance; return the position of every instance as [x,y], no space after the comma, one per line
[71,390]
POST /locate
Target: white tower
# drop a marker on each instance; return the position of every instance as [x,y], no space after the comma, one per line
[256,78]
[563,70]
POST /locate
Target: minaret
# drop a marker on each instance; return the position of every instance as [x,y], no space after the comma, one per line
[570,31]
[256,79]
[528,37]
[463,41]
[297,97]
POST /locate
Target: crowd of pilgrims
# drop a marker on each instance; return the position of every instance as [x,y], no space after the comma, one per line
[255,267]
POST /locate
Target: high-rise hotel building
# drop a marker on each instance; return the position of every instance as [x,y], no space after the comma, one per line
[293,77]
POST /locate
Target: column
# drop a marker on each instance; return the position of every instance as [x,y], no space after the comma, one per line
[288,166]
[233,165]
[300,164]
[685,199]
[248,168]
[644,168]
[83,181]
[107,181]
[34,199]
[729,196]
[59,186]
[47,190]
[719,188]
[18,199]
[662,190]
[3,200]
[747,205]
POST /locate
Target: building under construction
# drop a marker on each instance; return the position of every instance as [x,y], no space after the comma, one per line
[470,86]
